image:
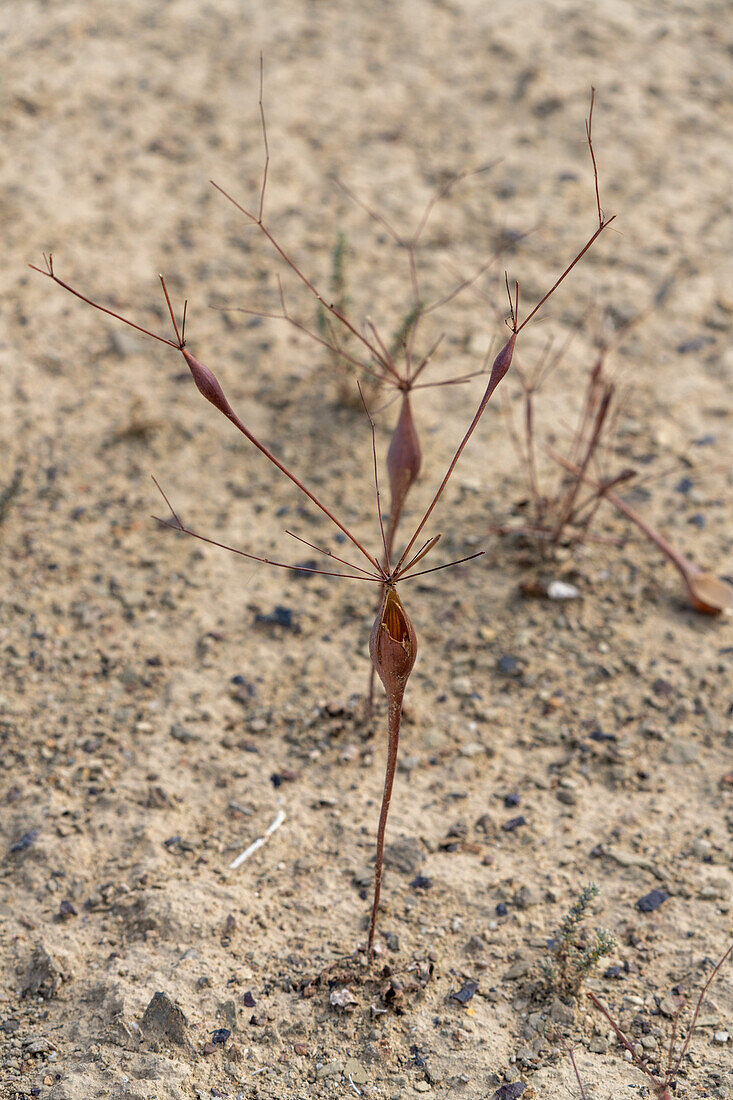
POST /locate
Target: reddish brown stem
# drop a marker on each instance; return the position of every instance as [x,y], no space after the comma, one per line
[199,371]
[394,713]
[622,1038]
[685,567]
[49,273]
[566,511]
[500,367]
[713,974]
[340,317]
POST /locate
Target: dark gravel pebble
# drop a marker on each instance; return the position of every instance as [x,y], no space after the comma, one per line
[465,993]
[220,1035]
[651,901]
[280,616]
[421,882]
[510,1092]
[25,841]
[514,823]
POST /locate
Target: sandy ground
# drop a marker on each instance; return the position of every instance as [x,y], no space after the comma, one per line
[152,726]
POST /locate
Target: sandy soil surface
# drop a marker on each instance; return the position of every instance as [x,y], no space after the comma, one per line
[154,722]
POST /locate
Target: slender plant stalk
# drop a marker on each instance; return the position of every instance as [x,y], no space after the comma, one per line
[681,563]
[393,650]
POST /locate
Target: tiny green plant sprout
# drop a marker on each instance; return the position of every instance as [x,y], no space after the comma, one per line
[393,641]
[574,952]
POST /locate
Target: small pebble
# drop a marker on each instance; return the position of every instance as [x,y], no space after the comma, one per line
[355,1071]
[420,882]
[651,901]
[330,1069]
[559,590]
[465,993]
[510,1092]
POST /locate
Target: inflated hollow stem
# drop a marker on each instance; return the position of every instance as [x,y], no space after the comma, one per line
[393,649]
[404,459]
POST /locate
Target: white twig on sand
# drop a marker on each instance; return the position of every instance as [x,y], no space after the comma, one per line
[256,844]
[356,1090]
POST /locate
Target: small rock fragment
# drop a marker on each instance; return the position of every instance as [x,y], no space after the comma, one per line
[165,1021]
[44,974]
[355,1071]
[279,616]
[24,843]
[343,999]
[651,901]
[560,590]
[518,969]
[510,1092]
[465,993]
[527,896]
[476,946]
[330,1069]
[404,855]
[420,882]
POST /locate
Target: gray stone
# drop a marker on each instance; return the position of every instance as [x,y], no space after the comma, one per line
[518,969]
[37,1046]
[330,1069]
[164,1022]
[682,752]
[228,1013]
[527,896]
[476,946]
[355,1071]
[44,974]
[404,855]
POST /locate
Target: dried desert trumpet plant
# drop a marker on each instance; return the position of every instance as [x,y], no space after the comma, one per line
[393,642]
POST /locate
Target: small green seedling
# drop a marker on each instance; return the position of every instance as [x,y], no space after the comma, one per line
[574,952]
